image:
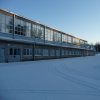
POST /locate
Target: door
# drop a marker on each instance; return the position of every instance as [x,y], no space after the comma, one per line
[2,55]
[14,54]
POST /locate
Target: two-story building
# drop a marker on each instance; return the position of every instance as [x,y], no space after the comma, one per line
[22,39]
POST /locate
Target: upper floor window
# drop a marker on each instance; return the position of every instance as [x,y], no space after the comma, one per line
[22,27]
[6,23]
[48,34]
[64,38]
[28,29]
[37,31]
[69,39]
[40,32]
[34,30]
[76,41]
[9,24]
[82,42]
[57,37]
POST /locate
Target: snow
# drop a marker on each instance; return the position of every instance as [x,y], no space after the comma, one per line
[57,79]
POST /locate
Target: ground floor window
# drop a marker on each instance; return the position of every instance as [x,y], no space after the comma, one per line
[27,51]
[52,52]
[45,52]
[63,52]
[66,52]
[38,51]
[69,52]
[58,52]
[14,51]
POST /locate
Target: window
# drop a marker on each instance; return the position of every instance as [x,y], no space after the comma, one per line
[52,52]
[69,39]
[0,23]
[81,42]
[48,34]
[57,37]
[3,23]
[64,38]
[34,30]
[11,51]
[63,52]
[38,31]
[38,51]
[19,27]
[45,52]
[6,23]
[69,52]
[76,41]
[22,27]
[9,24]
[27,51]
[66,52]
[28,29]
[57,52]
[14,51]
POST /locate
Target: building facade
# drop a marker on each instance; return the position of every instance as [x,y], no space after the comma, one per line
[22,39]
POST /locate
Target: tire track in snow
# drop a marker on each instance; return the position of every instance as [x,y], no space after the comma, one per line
[80,73]
[70,92]
[76,79]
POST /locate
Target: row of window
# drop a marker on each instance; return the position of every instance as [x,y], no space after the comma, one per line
[17,51]
[25,28]
[44,52]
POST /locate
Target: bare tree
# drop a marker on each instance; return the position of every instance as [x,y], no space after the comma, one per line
[97,46]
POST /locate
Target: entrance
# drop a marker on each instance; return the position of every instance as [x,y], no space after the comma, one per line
[2,55]
[14,54]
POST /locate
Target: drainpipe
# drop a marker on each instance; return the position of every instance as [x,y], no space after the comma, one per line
[13,25]
[34,51]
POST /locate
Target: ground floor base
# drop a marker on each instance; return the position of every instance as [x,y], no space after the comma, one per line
[15,52]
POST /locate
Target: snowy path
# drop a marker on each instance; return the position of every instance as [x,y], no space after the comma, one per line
[60,79]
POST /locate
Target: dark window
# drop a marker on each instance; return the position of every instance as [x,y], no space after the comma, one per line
[14,51]
[22,27]
[38,51]
[11,51]
[27,51]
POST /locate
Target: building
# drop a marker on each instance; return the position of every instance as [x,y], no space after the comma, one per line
[22,39]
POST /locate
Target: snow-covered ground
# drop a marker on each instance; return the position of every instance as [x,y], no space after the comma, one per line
[59,79]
